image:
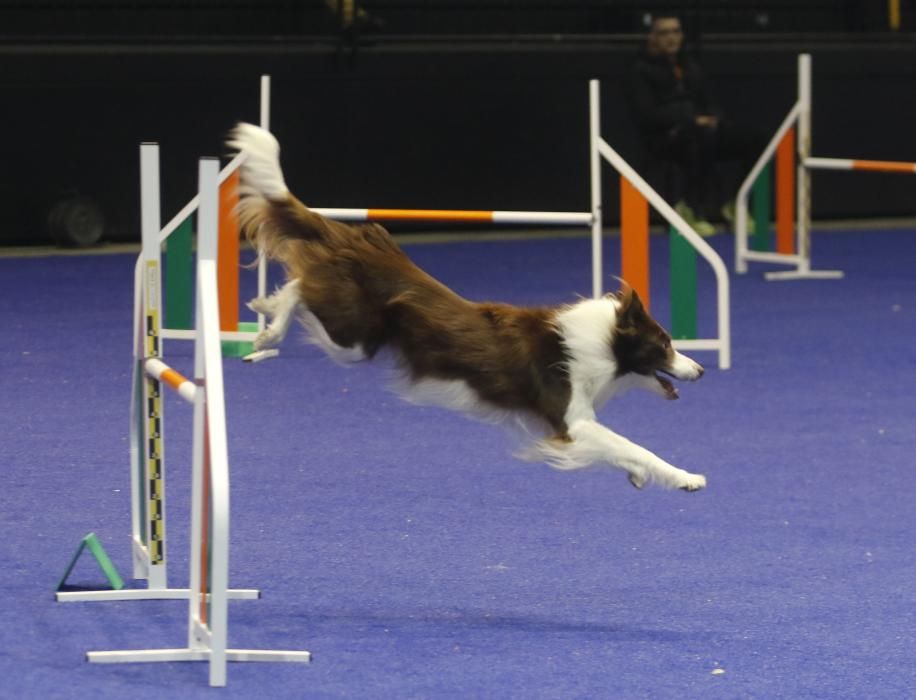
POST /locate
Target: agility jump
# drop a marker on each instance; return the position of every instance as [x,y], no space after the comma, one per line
[147,412]
[208,593]
[790,147]
[177,236]
[636,195]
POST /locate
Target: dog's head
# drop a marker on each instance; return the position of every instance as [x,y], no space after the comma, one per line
[641,346]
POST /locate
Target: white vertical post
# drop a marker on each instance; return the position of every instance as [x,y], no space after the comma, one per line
[265,102]
[138,554]
[594,134]
[803,176]
[210,449]
[803,186]
[152,346]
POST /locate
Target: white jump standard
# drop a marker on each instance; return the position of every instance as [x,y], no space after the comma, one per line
[207,622]
[799,115]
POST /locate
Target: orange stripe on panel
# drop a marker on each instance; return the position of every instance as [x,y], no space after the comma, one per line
[429,215]
[785,194]
[634,239]
[887,166]
[228,255]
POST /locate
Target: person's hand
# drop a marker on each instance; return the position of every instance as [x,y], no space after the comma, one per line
[707,121]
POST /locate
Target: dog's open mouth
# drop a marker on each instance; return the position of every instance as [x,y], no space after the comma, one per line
[668,387]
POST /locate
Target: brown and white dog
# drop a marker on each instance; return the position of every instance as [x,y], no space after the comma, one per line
[547,369]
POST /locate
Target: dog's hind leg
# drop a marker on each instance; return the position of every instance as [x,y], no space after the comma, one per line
[280,307]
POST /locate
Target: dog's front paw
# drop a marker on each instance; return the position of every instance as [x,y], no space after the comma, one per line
[693,482]
[267,339]
[262,305]
[638,480]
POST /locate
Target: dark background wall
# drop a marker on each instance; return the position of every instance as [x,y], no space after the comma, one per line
[490,122]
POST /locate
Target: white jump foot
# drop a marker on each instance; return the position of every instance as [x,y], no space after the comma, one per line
[149,594]
[804,275]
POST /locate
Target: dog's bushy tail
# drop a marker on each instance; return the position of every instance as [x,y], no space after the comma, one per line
[269,215]
[261,172]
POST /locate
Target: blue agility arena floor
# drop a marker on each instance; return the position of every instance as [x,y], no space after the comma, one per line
[415,558]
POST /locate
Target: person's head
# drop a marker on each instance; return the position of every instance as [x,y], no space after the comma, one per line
[665,35]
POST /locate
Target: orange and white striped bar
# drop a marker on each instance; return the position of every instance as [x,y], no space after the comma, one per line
[879,166]
[545,218]
[160,371]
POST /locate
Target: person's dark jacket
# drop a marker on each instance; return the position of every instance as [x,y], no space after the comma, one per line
[665,98]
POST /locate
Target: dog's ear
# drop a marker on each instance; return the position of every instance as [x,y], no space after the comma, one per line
[630,305]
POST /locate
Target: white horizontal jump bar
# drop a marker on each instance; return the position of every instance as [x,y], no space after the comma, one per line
[548,218]
[183,334]
[882,166]
[157,369]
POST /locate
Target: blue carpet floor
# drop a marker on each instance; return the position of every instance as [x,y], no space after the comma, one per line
[416,558]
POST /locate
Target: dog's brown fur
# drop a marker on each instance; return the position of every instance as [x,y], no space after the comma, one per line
[364,290]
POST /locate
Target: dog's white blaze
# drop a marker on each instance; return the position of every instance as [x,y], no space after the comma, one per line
[684,368]
[261,169]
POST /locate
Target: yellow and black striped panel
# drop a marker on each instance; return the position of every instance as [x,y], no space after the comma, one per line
[152,336]
[156,508]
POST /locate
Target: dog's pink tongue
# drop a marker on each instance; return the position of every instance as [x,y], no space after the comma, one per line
[670,390]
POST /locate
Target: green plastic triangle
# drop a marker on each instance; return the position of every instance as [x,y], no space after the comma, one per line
[104,562]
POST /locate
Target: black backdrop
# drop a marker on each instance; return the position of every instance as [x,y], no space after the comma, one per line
[490,125]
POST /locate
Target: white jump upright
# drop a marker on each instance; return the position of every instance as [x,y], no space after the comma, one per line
[208,596]
[149,545]
[601,149]
[799,116]
[191,207]
[800,259]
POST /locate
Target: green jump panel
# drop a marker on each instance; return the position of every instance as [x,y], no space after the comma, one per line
[762,209]
[240,348]
[683,270]
[179,277]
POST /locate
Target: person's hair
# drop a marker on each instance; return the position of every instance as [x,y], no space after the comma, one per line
[652,17]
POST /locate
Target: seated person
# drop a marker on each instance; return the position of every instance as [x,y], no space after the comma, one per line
[680,122]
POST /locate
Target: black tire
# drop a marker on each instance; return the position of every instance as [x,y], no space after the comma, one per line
[76,222]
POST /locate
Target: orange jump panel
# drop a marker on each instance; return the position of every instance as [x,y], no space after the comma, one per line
[227,264]
[785,194]
[634,239]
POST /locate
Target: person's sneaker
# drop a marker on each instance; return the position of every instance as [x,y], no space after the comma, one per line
[728,213]
[701,226]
